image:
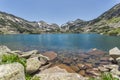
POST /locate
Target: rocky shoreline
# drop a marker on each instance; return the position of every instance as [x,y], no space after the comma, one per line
[52,66]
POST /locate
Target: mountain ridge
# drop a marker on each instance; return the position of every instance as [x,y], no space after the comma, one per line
[106,23]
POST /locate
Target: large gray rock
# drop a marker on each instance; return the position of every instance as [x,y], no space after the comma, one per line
[42,59]
[33,64]
[4,49]
[13,71]
[29,53]
[57,73]
[114,53]
[113,69]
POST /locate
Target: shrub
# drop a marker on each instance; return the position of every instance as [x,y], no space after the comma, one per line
[28,77]
[10,58]
[105,76]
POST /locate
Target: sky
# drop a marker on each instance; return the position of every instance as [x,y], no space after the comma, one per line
[57,11]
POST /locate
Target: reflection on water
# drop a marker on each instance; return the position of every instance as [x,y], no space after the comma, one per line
[59,42]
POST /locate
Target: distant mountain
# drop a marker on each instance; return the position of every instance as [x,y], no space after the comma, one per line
[107,23]
[73,26]
[10,24]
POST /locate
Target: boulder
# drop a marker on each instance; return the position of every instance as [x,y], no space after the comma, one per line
[33,65]
[55,69]
[4,49]
[57,73]
[67,68]
[13,71]
[82,72]
[81,66]
[88,65]
[113,61]
[118,61]
[51,55]
[92,72]
[111,66]
[75,68]
[103,69]
[29,53]
[17,52]
[45,67]
[114,53]
[96,52]
[67,61]
[114,70]
[83,55]
[42,59]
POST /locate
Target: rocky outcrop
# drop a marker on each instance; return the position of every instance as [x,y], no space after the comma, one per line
[107,23]
[44,67]
[13,71]
[3,50]
[33,65]
[114,53]
[57,73]
[29,53]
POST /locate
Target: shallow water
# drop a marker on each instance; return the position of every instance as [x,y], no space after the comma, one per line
[60,42]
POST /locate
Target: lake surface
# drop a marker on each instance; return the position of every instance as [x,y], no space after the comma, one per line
[60,42]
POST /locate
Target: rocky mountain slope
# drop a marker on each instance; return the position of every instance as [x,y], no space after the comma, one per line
[10,24]
[107,23]
[73,26]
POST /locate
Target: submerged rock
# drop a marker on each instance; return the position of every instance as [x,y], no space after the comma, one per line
[96,52]
[67,68]
[13,71]
[82,72]
[51,55]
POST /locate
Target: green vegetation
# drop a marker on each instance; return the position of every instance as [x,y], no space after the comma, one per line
[103,29]
[10,58]
[107,30]
[114,32]
[35,78]
[2,22]
[105,76]
[114,20]
[29,77]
